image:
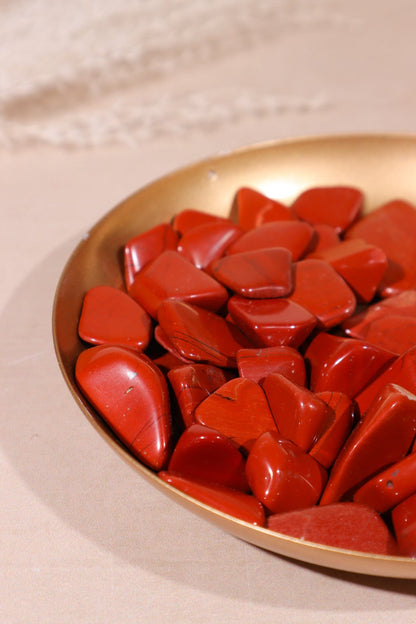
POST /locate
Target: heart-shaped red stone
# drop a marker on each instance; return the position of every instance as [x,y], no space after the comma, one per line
[338,206]
[132,396]
[204,454]
[225,499]
[259,274]
[300,415]
[239,410]
[382,438]
[282,476]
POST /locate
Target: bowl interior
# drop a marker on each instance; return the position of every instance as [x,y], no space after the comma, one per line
[381,166]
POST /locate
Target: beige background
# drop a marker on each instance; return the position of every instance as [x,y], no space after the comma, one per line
[82,538]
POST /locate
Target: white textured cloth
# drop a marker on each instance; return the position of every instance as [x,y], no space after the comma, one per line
[84,73]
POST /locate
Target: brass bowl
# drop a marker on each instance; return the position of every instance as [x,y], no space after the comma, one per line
[382,166]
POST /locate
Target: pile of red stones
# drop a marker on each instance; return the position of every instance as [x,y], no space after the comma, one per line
[266,366]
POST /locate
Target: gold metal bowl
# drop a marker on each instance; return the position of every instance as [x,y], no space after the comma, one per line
[383,167]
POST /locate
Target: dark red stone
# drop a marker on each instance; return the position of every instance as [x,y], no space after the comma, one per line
[192,384]
[110,316]
[200,335]
[296,236]
[383,437]
[361,265]
[272,322]
[404,523]
[344,364]
[392,227]
[146,247]
[171,276]
[300,415]
[207,242]
[319,289]
[204,454]
[389,487]
[337,429]
[259,274]
[239,410]
[256,364]
[232,502]
[341,525]
[132,396]
[252,206]
[338,206]
[281,475]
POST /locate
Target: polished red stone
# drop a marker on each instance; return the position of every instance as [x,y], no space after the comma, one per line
[207,242]
[361,265]
[200,335]
[390,487]
[344,364]
[192,384]
[296,236]
[338,206]
[392,227]
[132,396]
[404,524]
[146,247]
[396,333]
[281,475]
[340,525]
[383,437]
[171,276]
[403,304]
[190,218]
[204,454]
[319,289]
[251,207]
[110,316]
[256,364]
[163,339]
[401,372]
[258,274]
[300,415]
[337,430]
[232,502]
[272,322]
[325,237]
[239,410]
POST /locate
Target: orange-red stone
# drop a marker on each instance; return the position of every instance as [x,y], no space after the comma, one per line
[252,206]
[256,364]
[296,236]
[207,242]
[338,206]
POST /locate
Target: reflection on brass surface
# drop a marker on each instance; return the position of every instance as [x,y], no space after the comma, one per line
[382,166]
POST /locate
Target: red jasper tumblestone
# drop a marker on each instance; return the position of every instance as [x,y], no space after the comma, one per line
[272,322]
[146,247]
[296,236]
[383,437]
[256,364]
[325,237]
[251,206]
[258,274]
[192,384]
[404,524]
[281,475]
[344,364]
[132,396]
[300,415]
[396,333]
[338,206]
[171,276]
[392,227]
[110,316]
[190,218]
[323,292]
[207,242]
[340,525]
[205,454]
[389,487]
[201,335]
[239,410]
[361,265]
[337,430]
[225,499]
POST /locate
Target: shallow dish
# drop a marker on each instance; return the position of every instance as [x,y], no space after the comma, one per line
[383,167]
